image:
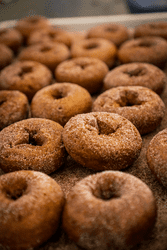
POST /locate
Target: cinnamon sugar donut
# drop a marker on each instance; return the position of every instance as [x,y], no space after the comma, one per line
[95,47]
[60,101]
[49,53]
[158,28]
[26,76]
[6,56]
[109,210]
[29,24]
[116,33]
[30,209]
[140,105]
[85,71]
[50,34]
[11,38]
[14,107]
[149,49]
[136,74]
[32,144]
[102,141]
[157,156]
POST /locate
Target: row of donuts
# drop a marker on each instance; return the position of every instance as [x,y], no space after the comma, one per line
[98,139]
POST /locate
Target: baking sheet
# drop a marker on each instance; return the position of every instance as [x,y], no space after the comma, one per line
[71,172]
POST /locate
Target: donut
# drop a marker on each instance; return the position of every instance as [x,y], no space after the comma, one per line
[149,49]
[27,25]
[109,210]
[48,53]
[26,76]
[116,33]
[136,74]
[158,28]
[157,156]
[31,204]
[60,101]
[50,34]
[100,48]
[32,144]
[14,107]
[85,71]
[11,37]
[102,141]
[6,56]
[140,105]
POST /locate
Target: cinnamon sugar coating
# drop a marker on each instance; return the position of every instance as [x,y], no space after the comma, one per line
[11,38]
[102,141]
[113,32]
[149,49]
[140,105]
[26,76]
[32,144]
[6,56]
[136,74]
[100,48]
[30,209]
[157,156]
[109,210]
[14,106]
[84,71]
[60,101]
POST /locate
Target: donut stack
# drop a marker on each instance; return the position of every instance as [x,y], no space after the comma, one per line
[83,136]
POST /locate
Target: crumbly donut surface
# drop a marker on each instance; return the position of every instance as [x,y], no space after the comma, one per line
[102,141]
[109,210]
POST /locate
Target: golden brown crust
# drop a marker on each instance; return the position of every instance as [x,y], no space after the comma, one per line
[11,38]
[60,101]
[144,49]
[14,107]
[32,144]
[26,76]
[157,156]
[49,53]
[136,74]
[95,47]
[84,71]
[30,208]
[109,210]
[140,105]
[102,141]
[6,56]
[116,33]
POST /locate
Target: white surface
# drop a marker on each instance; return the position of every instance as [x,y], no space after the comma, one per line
[84,23]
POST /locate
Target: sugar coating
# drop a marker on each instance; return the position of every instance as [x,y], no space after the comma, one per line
[140,105]
[32,144]
[109,210]
[30,206]
[157,156]
[102,141]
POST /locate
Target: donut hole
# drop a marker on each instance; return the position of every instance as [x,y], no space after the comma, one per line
[33,20]
[16,189]
[146,44]
[3,31]
[91,46]
[129,98]
[157,26]
[58,94]
[111,29]
[45,49]
[136,72]
[2,101]
[34,139]
[52,35]
[82,65]
[106,191]
[25,70]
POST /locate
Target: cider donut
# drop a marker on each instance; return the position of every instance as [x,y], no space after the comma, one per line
[151,29]
[85,71]
[11,38]
[60,101]
[26,76]
[116,33]
[109,210]
[136,74]
[149,49]
[49,53]
[95,47]
[31,204]
[6,56]
[157,156]
[14,107]
[102,141]
[32,144]
[140,105]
